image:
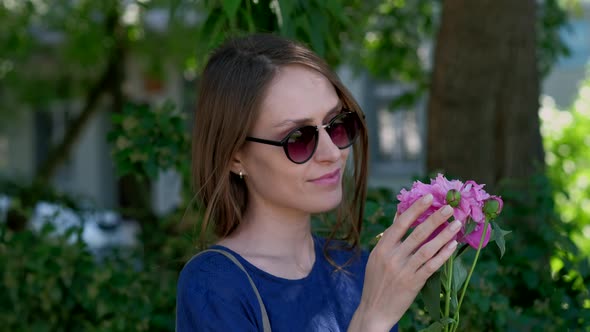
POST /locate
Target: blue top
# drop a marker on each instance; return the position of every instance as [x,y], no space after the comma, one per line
[215,295]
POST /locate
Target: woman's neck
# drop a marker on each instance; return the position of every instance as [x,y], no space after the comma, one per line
[276,241]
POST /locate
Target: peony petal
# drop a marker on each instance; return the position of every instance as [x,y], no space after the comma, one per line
[475,236]
[477,214]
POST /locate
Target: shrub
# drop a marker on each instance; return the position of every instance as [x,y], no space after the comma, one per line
[50,283]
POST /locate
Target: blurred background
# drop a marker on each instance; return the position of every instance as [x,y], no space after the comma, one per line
[96,104]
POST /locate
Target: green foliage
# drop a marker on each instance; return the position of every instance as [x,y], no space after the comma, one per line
[320,24]
[36,71]
[396,42]
[567,144]
[146,140]
[53,283]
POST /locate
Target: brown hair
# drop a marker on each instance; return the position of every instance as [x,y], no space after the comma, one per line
[231,91]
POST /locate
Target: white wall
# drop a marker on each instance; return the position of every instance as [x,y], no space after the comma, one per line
[89,173]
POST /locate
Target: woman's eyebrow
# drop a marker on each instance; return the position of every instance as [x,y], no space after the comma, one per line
[335,109]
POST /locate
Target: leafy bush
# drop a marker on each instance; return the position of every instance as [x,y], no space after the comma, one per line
[149,139]
[50,283]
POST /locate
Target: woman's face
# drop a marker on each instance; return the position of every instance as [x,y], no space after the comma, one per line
[297,96]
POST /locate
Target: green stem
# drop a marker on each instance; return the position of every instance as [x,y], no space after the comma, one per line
[456,317]
[448,290]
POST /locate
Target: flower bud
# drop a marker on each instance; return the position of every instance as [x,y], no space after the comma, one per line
[453,197]
[492,207]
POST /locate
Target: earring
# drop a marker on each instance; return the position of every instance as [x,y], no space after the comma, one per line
[241,175]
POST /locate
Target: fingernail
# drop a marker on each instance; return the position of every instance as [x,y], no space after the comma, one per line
[447,210]
[453,245]
[455,225]
[427,199]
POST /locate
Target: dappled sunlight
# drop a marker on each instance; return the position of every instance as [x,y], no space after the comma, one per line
[40,7]
[131,14]
[553,120]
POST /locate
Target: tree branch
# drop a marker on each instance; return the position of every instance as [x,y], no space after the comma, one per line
[59,153]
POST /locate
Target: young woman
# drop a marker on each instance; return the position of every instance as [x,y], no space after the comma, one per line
[273,132]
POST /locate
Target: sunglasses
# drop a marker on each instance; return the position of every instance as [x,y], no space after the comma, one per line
[300,143]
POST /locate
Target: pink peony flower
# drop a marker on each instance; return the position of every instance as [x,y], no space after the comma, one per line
[469,209]
[475,197]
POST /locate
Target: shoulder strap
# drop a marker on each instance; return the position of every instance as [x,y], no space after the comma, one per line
[265,320]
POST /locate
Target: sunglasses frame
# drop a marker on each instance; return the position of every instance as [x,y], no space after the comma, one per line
[285,141]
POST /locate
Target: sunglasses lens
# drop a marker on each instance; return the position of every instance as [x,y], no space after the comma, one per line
[302,143]
[344,129]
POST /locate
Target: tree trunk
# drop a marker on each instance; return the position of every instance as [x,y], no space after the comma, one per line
[483,119]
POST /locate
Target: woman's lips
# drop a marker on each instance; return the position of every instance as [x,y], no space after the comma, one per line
[330,178]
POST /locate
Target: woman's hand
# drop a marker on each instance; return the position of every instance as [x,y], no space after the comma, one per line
[398,268]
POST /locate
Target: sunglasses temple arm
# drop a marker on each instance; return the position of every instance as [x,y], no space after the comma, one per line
[264,141]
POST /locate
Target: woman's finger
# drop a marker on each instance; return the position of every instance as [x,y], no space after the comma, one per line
[431,266]
[424,230]
[430,248]
[394,233]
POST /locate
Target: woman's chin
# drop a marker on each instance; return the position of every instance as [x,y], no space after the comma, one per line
[326,203]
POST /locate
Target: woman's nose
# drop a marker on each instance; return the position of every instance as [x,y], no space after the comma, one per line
[326,150]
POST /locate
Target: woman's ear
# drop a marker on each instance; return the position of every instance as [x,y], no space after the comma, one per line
[237,167]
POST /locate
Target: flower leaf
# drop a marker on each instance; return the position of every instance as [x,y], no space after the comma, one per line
[431,295]
[459,275]
[469,227]
[446,321]
[462,249]
[498,235]
[434,327]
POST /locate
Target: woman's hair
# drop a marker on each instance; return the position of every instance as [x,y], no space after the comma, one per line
[232,89]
